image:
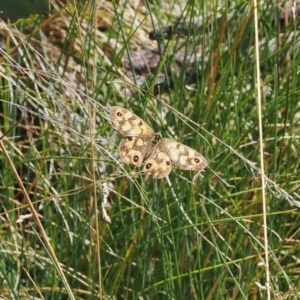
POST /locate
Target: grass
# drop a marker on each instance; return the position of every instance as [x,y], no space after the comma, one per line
[174,238]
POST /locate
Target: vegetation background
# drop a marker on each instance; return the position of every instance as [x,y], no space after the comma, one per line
[76,223]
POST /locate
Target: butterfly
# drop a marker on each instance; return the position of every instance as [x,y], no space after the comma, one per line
[142,145]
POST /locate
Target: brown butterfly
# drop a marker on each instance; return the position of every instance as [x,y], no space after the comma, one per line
[142,144]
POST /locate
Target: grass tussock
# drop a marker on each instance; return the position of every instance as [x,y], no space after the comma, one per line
[78,223]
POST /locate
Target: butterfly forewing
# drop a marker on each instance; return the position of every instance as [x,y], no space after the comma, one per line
[183,156]
[128,123]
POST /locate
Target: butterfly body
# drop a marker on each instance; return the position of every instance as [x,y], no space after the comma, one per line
[141,144]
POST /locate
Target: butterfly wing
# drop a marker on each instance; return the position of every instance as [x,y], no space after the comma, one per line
[183,156]
[128,123]
[133,149]
[158,165]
